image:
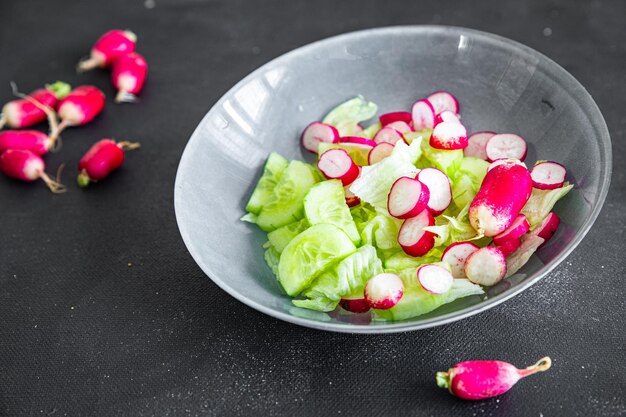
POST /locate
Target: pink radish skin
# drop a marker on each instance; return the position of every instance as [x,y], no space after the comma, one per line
[509,246]
[80,106]
[519,226]
[506,145]
[423,114]
[107,48]
[30,140]
[27,166]
[379,152]
[505,161]
[316,133]
[447,116]
[351,199]
[384,291]
[337,164]
[435,278]
[547,228]
[389,135]
[548,175]
[456,254]
[449,136]
[478,380]
[357,305]
[357,140]
[396,116]
[502,194]
[414,240]
[128,76]
[401,127]
[440,189]
[21,113]
[442,101]
[476,144]
[486,266]
[104,157]
[407,198]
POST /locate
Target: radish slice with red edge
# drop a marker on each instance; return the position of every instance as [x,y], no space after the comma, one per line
[318,132]
[449,136]
[505,161]
[355,305]
[396,116]
[509,246]
[337,164]
[24,165]
[447,116]
[442,101]
[519,226]
[440,189]
[357,140]
[486,266]
[380,152]
[401,127]
[548,175]
[351,199]
[412,237]
[423,115]
[506,145]
[389,135]
[435,278]
[476,144]
[407,198]
[456,254]
[548,227]
[384,291]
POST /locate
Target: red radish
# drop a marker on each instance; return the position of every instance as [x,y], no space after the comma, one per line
[396,116]
[351,199]
[384,291]
[440,189]
[507,247]
[442,101]
[478,380]
[548,227]
[109,47]
[318,132]
[449,136]
[355,305]
[423,114]
[407,198]
[519,226]
[506,145]
[27,166]
[357,140]
[476,144]
[337,164]
[101,159]
[548,175]
[456,254]
[128,75]
[31,140]
[389,135]
[486,266]
[24,112]
[435,278]
[502,194]
[505,161]
[379,152]
[400,126]
[80,107]
[412,237]
[447,116]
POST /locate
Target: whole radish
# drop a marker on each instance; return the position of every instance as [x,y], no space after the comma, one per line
[110,46]
[477,380]
[80,107]
[129,74]
[31,140]
[24,112]
[101,159]
[26,166]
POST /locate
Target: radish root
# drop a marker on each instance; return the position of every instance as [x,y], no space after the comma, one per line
[128,146]
[55,128]
[54,186]
[125,97]
[86,64]
[542,364]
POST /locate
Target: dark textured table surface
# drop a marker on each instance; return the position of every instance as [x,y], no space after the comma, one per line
[103,311]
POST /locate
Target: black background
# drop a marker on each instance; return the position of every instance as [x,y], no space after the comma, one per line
[84,333]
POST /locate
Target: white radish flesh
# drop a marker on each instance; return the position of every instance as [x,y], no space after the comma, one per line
[519,226]
[477,143]
[442,101]
[318,132]
[449,136]
[400,126]
[413,239]
[440,189]
[389,135]
[456,254]
[505,161]
[380,152]
[384,291]
[423,115]
[486,266]
[337,164]
[435,278]
[548,175]
[407,198]
[506,145]
[447,116]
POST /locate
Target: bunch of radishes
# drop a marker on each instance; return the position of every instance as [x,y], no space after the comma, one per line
[21,150]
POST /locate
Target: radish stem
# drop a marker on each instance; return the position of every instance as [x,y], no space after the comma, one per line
[52,118]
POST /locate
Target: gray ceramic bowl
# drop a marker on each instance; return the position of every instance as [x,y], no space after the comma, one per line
[501,85]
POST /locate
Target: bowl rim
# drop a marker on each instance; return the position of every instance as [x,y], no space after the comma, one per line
[575,89]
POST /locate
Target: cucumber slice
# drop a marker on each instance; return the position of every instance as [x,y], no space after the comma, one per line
[326,203]
[309,253]
[262,193]
[286,203]
[280,237]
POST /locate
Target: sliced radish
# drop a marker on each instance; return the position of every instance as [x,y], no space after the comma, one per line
[548,175]
[456,254]
[423,114]
[413,239]
[351,199]
[389,135]
[509,246]
[506,145]
[318,132]
[440,189]
[407,198]
[337,164]
[400,126]
[449,136]
[380,152]
[476,144]
[486,266]
[357,140]
[442,101]
[548,227]
[503,161]
[435,278]
[519,226]
[384,291]
[355,305]
[447,116]
[396,116]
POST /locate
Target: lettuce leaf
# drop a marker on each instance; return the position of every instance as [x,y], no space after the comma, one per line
[516,260]
[354,110]
[272,258]
[370,131]
[541,202]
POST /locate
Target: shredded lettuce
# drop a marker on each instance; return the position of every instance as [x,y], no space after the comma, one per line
[516,260]
[541,202]
[400,261]
[370,131]
[272,258]
[447,161]
[354,110]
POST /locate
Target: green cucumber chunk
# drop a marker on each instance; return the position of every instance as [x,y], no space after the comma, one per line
[262,193]
[280,237]
[326,203]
